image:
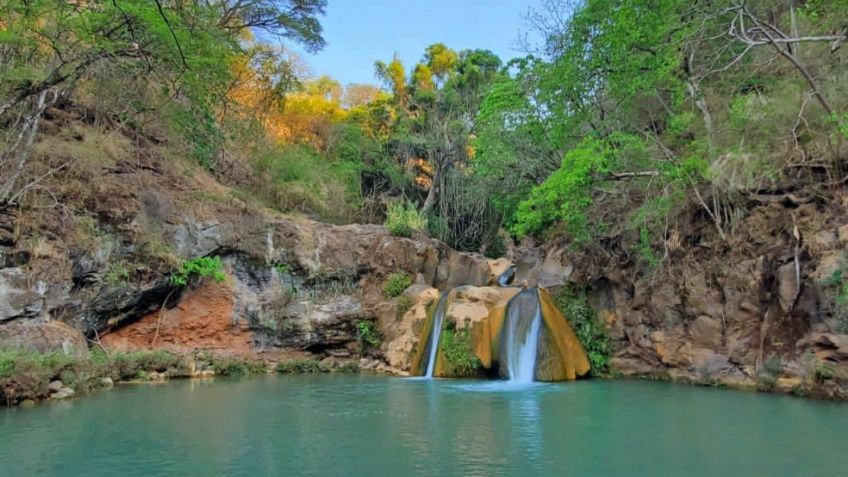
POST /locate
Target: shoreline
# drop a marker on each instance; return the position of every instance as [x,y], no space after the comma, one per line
[28,378]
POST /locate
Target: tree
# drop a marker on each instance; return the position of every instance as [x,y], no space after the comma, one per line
[295,20]
[359,95]
[393,75]
[186,53]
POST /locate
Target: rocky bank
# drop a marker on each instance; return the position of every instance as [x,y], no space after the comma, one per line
[93,270]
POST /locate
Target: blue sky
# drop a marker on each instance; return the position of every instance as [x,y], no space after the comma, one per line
[359,32]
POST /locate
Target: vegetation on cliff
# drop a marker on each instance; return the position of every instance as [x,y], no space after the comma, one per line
[630,109]
[637,130]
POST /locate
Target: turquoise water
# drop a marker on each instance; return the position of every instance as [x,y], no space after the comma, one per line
[374,426]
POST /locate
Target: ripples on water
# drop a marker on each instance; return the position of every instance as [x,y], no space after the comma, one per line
[372,426]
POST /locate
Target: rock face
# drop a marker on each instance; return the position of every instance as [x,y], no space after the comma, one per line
[293,283]
[203,319]
[733,314]
[756,309]
[43,337]
[475,318]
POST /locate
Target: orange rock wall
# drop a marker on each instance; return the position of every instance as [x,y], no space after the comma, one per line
[203,319]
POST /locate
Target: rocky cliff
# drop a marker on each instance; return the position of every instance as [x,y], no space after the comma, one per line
[754,310]
[92,268]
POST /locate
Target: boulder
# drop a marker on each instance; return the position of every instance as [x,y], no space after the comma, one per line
[43,337]
[407,341]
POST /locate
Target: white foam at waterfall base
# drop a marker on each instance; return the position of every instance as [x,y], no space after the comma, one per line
[438,319]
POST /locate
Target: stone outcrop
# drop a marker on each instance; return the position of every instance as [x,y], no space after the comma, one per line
[479,313]
[728,314]
[203,319]
[43,337]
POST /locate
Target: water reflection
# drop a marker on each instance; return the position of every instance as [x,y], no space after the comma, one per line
[351,426]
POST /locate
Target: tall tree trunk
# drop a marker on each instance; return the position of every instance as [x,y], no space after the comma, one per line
[430,201]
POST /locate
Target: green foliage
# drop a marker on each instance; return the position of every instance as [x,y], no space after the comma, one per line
[26,375]
[837,286]
[298,178]
[567,194]
[282,269]
[496,248]
[586,325]
[232,366]
[396,283]
[199,267]
[313,366]
[457,349]
[769,373]
[368,335]
[404,219]
[117,273]
[302,366]
[349,367]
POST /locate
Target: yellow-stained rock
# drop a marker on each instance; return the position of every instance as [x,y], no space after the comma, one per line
[497,268]
[571,352]
[481,311]
[406,351]
[549,365]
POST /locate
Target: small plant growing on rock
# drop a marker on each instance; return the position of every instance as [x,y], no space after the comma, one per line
[236,367]
[396,283]
[348,368]
[368,335]
[583,319]
[837,285]
[199,267]
[404,304]
[403,219]
[302,366]
[459,352]
[118,272]
[496,247]
[768,374]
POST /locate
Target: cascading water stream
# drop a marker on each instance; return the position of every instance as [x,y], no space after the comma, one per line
[438,321]
[525,366]
[521,341]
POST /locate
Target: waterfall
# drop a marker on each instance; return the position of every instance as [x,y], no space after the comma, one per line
[438,321]
[521,336]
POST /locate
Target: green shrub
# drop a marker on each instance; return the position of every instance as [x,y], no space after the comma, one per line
[368,335]
[233,366]
[591,333]
[200,267]
[396,283]
[302,366]
[496,248]
[837,286]
[26,375]
[298,178]
[118,272]
[768,374]
[459,353]
[137,365]
[349,367]
[403,219]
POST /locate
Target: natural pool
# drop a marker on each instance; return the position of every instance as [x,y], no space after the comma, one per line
[376,426]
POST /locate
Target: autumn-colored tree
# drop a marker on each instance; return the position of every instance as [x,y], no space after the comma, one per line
[360,95]
[422,78]
[393,75]
[441,60]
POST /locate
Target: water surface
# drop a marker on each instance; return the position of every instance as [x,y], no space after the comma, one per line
[374,426]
